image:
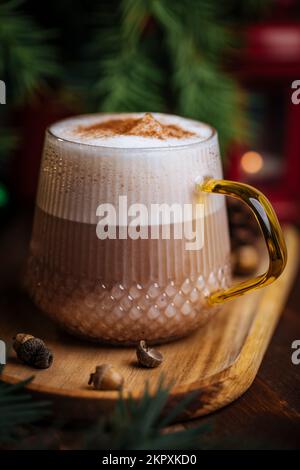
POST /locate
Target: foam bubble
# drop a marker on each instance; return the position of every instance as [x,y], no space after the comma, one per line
[68,130]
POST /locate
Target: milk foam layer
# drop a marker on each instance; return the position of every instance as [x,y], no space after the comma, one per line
[69,129]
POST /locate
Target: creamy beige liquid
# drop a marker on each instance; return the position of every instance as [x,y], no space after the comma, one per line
[122,290]
[55,241]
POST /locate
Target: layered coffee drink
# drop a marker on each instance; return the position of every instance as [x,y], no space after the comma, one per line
[123,248]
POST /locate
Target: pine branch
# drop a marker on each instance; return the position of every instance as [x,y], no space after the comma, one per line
[26,61]
[195,40]
[125,77]
[174,67]
[18,410]
[132,425]
[138,425]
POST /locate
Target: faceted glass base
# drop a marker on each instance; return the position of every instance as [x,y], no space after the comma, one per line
[124,314]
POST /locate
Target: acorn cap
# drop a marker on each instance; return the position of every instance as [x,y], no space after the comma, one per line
[148,357]
[20,339]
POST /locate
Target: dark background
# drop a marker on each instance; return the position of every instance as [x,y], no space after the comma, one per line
[237,61]
[231,65]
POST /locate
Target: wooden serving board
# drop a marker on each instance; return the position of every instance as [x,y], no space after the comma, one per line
[218,362]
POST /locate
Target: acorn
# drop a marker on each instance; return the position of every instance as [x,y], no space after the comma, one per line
[106,377]
[148,357]
[32,351]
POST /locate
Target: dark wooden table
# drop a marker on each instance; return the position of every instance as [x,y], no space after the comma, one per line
[266,416]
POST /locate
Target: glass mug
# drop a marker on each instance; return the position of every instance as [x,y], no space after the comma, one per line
[123,290]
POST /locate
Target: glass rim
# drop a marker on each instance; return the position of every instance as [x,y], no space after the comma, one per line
[200,142]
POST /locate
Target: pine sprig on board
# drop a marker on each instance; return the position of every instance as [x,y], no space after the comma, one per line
[17,409]
[136,425]
[132,425]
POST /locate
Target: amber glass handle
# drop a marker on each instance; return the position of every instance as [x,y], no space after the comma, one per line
[268,222]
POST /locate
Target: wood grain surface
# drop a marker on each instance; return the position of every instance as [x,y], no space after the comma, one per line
[218,362]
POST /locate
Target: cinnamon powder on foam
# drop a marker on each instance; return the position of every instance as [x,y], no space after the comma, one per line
[146,126]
